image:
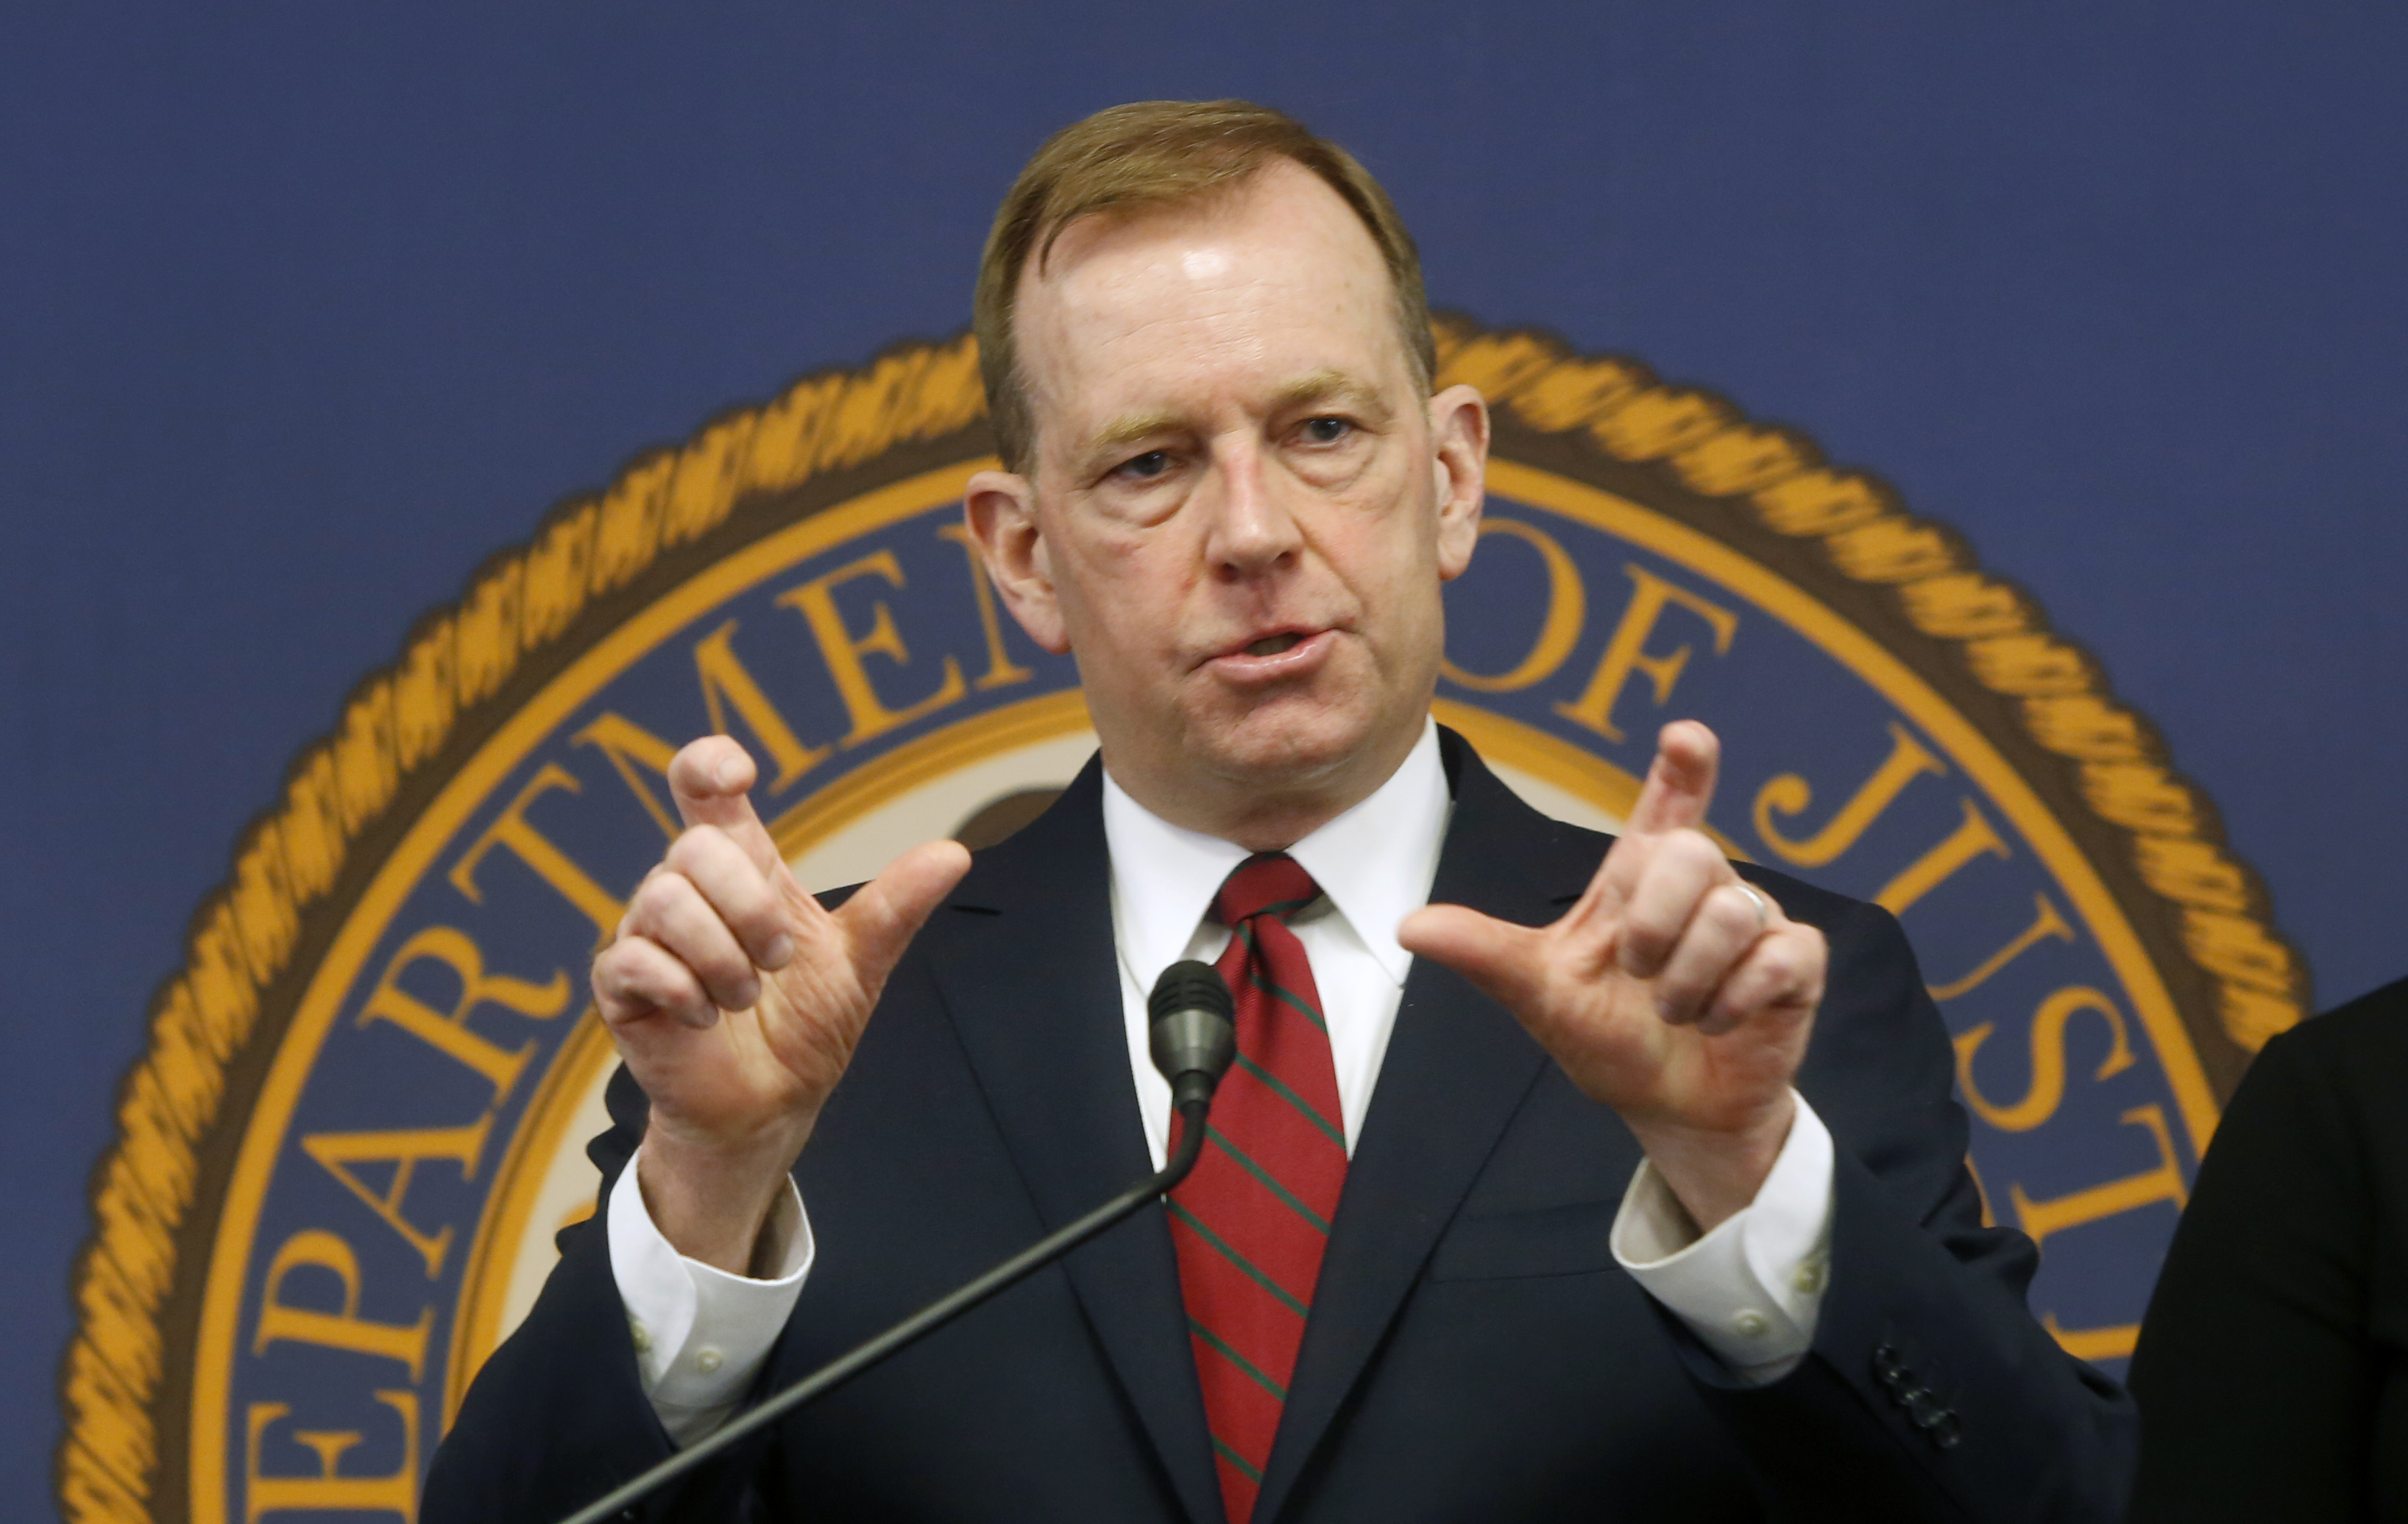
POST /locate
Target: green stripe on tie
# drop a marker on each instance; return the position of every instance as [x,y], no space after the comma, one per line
[1221,1246]
[1265,985]
[1225,1453]
[1236,1360]
[1271,1083]
[1264,1175]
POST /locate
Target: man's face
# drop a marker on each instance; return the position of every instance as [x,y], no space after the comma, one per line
[1241,506]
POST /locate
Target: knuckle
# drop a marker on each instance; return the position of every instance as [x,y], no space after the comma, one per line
[718,960]
[1679,997]
[603,980]
[1632,851]
[695,845]
[633,984]
[614,966]
[1692,849]
[1733,913]
[659,893]
[1778,969]
[1642,948]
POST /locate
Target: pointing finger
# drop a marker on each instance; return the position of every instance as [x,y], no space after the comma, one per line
[1680,783]
[710,779]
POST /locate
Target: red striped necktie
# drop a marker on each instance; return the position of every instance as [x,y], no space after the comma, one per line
[1251,1224]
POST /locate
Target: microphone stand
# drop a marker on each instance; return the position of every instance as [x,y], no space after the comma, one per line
[1192,1109]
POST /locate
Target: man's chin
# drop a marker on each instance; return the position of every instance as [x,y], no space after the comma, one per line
[1281,753]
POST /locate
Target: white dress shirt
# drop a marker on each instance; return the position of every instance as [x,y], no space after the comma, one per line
[1750,1290]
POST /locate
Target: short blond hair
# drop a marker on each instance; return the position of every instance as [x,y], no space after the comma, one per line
[1157,153]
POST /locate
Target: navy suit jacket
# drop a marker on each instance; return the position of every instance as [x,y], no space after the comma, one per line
[1474,1352]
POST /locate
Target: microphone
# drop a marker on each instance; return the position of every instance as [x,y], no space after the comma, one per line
[1192,1031]
[1193,1037]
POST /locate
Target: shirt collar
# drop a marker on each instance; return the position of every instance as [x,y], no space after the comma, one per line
[1375,862]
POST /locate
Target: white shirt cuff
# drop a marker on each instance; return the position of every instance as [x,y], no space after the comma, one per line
[1751,1288]
[701,1333]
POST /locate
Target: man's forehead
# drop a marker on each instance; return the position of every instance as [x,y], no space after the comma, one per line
[1281,225]
[1271,292]
[1296,193]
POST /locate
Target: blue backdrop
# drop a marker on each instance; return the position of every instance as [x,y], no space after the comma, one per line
[305,310]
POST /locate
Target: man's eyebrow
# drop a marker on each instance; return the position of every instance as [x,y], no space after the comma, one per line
[1320,386]
[1325,385]
[1131,427]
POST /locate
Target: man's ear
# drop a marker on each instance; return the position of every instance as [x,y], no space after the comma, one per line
[1459,439]
[999,508]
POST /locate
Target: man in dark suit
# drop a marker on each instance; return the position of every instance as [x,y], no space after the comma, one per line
[1529,1198]
[2272,1365]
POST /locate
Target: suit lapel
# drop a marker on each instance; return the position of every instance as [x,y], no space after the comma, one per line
[1031,978]
[1457,1067]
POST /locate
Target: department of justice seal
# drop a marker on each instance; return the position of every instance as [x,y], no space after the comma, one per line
[360,1120]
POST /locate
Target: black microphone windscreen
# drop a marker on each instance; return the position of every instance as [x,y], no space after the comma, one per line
[1193,1027]
[1187,983]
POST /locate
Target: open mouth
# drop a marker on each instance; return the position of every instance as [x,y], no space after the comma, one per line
[1281,656]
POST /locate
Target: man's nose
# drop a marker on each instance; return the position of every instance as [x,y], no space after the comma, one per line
[1253,528]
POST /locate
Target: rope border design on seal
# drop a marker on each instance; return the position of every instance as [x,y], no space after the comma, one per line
[2008,647]
[290,857]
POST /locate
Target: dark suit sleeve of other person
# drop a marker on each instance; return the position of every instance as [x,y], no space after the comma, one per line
[1931,1392]
[2269,1369]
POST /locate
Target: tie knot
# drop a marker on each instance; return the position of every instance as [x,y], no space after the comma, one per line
[1266,884]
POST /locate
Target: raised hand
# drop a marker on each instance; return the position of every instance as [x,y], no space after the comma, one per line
[1670,992]
[737,999]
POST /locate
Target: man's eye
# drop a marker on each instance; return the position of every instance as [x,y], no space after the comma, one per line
[1327,431]
[1145,467]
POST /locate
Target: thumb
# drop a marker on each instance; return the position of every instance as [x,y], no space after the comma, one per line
[1494,955]
[884,914]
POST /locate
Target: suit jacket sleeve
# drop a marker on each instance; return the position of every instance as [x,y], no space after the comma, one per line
[573,1362]
[1931,1392]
